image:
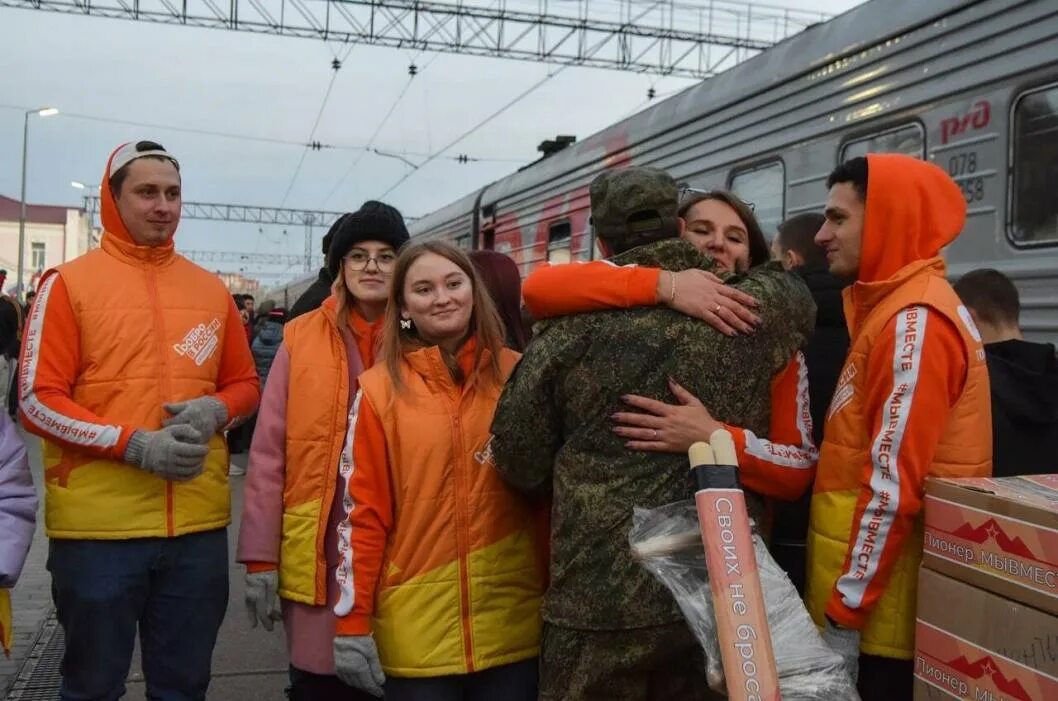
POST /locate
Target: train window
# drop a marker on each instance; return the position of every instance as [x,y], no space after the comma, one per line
[559,241]
[909,140]
[764,187]
[463,242]
[1035,209]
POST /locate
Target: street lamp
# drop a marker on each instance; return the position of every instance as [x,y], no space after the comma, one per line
[42,112]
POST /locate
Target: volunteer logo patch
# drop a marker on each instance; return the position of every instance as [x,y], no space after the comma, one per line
[200,342]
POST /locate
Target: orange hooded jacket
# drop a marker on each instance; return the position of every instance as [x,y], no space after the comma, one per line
[912,401]
[114,335]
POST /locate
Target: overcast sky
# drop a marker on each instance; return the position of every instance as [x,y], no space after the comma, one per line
[272,87]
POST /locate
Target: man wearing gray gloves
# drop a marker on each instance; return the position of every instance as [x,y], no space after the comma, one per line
[134,361]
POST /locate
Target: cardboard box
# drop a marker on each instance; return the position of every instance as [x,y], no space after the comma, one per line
[974,644]
[1000,534]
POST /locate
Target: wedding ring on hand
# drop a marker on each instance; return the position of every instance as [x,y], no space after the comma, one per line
[655,434]
[717,310]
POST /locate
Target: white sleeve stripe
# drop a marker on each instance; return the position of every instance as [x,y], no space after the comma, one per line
[873,529]
[804,403]
[343,574]
[792,456]
[802,457]
[57,425]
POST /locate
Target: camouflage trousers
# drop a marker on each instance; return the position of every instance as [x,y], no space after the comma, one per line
[644,664]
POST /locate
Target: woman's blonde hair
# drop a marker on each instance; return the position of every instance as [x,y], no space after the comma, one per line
[345,299]
[485,323]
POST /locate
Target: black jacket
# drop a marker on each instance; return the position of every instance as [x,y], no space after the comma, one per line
[825,353]
[313,297]
[1024,378]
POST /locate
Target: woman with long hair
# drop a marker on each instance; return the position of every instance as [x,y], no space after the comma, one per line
[440,575]
[293,499]
[723,227]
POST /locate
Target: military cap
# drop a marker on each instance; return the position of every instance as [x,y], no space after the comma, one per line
[634,206]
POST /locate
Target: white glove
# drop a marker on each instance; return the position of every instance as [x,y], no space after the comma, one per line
[262,598]
[845,642]
[356,663]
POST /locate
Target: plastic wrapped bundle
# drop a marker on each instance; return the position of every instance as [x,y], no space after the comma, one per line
[667,541]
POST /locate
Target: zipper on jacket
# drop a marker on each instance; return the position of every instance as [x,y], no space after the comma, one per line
[165,381]
[453,399]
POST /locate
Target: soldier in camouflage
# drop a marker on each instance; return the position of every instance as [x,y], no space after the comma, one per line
[611,630]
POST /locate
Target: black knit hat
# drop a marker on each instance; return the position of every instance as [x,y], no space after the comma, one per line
[374,221]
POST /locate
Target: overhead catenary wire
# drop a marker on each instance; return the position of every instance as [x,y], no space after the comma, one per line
[437,154]
[378,129]
[336,66]
[261,139]
[434,156]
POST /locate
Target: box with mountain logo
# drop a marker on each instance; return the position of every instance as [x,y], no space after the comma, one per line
[974,644]
[1000,534]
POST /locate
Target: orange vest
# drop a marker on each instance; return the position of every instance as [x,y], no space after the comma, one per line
[144,341]
[317,414]
[461,584]
[965,450]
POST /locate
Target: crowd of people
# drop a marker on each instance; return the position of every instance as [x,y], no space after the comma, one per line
[437,507]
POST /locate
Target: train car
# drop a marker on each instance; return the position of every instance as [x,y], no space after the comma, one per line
[285,295]
[972,86]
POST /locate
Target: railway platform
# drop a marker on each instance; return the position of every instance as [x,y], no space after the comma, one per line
[247,663]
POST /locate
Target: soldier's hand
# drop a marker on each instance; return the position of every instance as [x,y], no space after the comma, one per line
[705,296]
[665,428]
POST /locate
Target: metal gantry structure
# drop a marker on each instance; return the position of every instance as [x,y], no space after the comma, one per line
[248,214]
[666,37]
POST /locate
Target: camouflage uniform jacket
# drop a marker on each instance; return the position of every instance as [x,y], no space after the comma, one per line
[552,428]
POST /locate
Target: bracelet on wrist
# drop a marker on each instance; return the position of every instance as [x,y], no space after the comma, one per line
[672,289]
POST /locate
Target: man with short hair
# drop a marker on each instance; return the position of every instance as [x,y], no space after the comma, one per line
[134,362]
[1023,377]
[611,630]
[912,402]
[795,247]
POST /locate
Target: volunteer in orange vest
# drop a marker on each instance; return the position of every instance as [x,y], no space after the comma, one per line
[294,490]
[912,402]
[439,575]
[133,363]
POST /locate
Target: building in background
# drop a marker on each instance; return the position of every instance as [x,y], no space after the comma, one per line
[54,235]
[237,283]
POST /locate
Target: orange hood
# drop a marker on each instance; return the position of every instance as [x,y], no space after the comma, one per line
[114,226]
[913,211]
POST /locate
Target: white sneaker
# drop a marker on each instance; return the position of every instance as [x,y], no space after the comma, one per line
[236,471]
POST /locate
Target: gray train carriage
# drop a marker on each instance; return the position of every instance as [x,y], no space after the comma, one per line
[285,295]
[972,86]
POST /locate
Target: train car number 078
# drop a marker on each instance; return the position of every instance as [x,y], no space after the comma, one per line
[961,165]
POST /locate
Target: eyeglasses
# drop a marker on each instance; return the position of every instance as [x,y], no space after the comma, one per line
[358,260]
[687,192]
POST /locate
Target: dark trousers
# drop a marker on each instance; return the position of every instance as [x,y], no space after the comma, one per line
[512,682]
[659,663]
[307,686]
[886,679]
[174,590]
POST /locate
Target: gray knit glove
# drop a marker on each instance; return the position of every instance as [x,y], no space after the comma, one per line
[207,415]
[356,663]
[174,452]
[262,598]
